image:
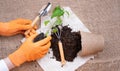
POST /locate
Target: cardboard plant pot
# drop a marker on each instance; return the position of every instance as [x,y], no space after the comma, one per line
[91,43]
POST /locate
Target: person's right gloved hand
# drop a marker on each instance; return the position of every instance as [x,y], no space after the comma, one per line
[30,51]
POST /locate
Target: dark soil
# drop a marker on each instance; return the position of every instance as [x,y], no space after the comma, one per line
[39,37]
[71,44]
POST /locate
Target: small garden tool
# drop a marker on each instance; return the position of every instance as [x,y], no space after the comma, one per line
[58,35]
[42,12]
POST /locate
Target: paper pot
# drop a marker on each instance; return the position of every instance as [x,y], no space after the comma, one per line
[91,43]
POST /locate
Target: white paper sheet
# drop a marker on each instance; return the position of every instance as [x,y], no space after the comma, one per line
[49,64]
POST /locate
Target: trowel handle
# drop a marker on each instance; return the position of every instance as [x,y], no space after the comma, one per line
[33,23]
[63,61]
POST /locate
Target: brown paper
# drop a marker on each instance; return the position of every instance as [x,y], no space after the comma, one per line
[91,43]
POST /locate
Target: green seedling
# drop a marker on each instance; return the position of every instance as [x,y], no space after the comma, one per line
[57,13]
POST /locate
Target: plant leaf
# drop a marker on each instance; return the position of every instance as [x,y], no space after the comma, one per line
[58,21]
[46,22]
[46,34]
[57,12]
[54,30]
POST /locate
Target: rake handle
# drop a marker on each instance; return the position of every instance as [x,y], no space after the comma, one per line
[63,61]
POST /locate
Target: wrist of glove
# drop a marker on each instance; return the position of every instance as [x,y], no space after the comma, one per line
[30,51]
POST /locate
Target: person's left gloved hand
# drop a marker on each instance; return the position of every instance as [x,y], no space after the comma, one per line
[15,27]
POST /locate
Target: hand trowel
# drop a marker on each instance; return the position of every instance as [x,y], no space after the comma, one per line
[43,12]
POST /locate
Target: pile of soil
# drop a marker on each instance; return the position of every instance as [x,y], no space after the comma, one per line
[71,44]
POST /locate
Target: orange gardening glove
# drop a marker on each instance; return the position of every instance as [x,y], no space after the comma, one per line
[30,51]
[15,27]
[31,32]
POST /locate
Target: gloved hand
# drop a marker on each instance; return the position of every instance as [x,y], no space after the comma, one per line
[31,32]
[30,51]
[15,27]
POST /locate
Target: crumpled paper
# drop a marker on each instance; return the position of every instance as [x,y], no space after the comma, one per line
[48,63]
